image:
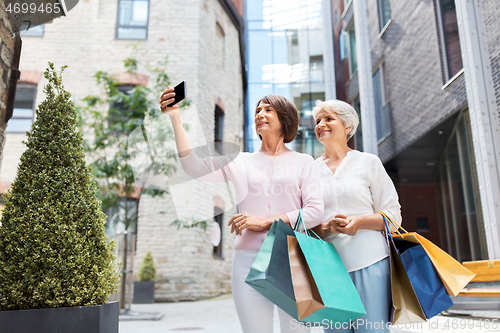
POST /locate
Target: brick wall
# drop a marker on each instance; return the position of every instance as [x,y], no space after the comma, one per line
[7,50]
[491,12]
[185,30]
[410,48]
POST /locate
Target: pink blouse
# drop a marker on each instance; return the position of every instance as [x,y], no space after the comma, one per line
[265,186]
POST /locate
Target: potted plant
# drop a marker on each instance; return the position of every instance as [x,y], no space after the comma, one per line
[144,288]
[57,267]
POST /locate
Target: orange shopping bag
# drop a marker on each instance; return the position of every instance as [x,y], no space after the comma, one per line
[454,276]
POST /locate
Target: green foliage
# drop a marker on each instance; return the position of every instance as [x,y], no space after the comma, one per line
[112,119]
[147,271]
[190,223]
[53,248]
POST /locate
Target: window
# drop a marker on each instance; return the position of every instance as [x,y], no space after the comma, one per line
[352,49]
[384,13]
[382,110]
[119,112]
[116,216]
[217,232]
[36,31]
[358,136]
[2,205]
[422,224]
[344,51]
[218,128]
[132,19]
[316,68]
[221,45]
[452,56]
[295,37]
[24,105]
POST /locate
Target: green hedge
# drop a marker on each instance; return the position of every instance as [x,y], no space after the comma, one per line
[147,271]
[53,248]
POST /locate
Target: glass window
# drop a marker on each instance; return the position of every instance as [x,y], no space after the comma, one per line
[254,9]
[220,46]
[217,233]
[358,136]
[123,114]
[285,57]
[343,45]
[36,31]
[132,19]
[116,216]
[218,128]
[382,110]
[1,207]
[316,68]
[24,105]
[463,236]
[451,42]
[352,49]
[259,54]
[219,124]
[422,224]
[384,13]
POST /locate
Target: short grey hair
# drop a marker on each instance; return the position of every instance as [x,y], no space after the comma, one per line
[347,114]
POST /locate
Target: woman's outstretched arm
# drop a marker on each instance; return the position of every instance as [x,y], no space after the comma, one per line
[181,140]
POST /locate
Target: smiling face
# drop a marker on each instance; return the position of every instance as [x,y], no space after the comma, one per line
[266,120]
[330,128]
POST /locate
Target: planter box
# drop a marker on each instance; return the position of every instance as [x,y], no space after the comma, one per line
[80,319]
[144,292]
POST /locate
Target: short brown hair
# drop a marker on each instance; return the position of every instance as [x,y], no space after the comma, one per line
[287,115]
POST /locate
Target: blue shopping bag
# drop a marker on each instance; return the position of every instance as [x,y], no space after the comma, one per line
[424,278]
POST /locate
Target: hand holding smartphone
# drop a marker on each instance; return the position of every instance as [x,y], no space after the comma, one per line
[180,93]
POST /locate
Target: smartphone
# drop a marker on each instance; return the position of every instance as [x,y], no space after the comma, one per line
[180,93]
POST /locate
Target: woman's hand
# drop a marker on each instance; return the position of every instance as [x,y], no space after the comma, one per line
[167,97]
[330,227]
[347,225]
[242,221]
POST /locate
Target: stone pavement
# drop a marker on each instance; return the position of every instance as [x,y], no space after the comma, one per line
[218,315]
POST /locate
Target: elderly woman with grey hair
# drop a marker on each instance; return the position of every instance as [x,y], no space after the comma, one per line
[355,188]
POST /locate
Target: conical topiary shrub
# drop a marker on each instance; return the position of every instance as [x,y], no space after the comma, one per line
[53,249]
[147,271]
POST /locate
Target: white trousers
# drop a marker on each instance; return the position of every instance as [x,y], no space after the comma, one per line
[255,312]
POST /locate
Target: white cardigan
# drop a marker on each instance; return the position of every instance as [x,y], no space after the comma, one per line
[359,186]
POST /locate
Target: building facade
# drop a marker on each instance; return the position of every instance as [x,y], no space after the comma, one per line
[202,39]
[289,48]
[10,52]
[411,69]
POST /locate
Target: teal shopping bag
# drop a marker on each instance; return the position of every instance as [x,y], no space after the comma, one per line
[340,299]
[270,274]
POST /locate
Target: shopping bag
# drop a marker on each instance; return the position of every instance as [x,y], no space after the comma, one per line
[424,278]
[306,292]
[332,288]
[270,273]
[406,307]
[454,276]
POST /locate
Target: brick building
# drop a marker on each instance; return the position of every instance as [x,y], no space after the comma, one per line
[428,83]
[10,47]
[203,42]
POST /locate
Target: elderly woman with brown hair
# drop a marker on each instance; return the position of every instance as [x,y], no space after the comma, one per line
[355,188]
[272,183]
